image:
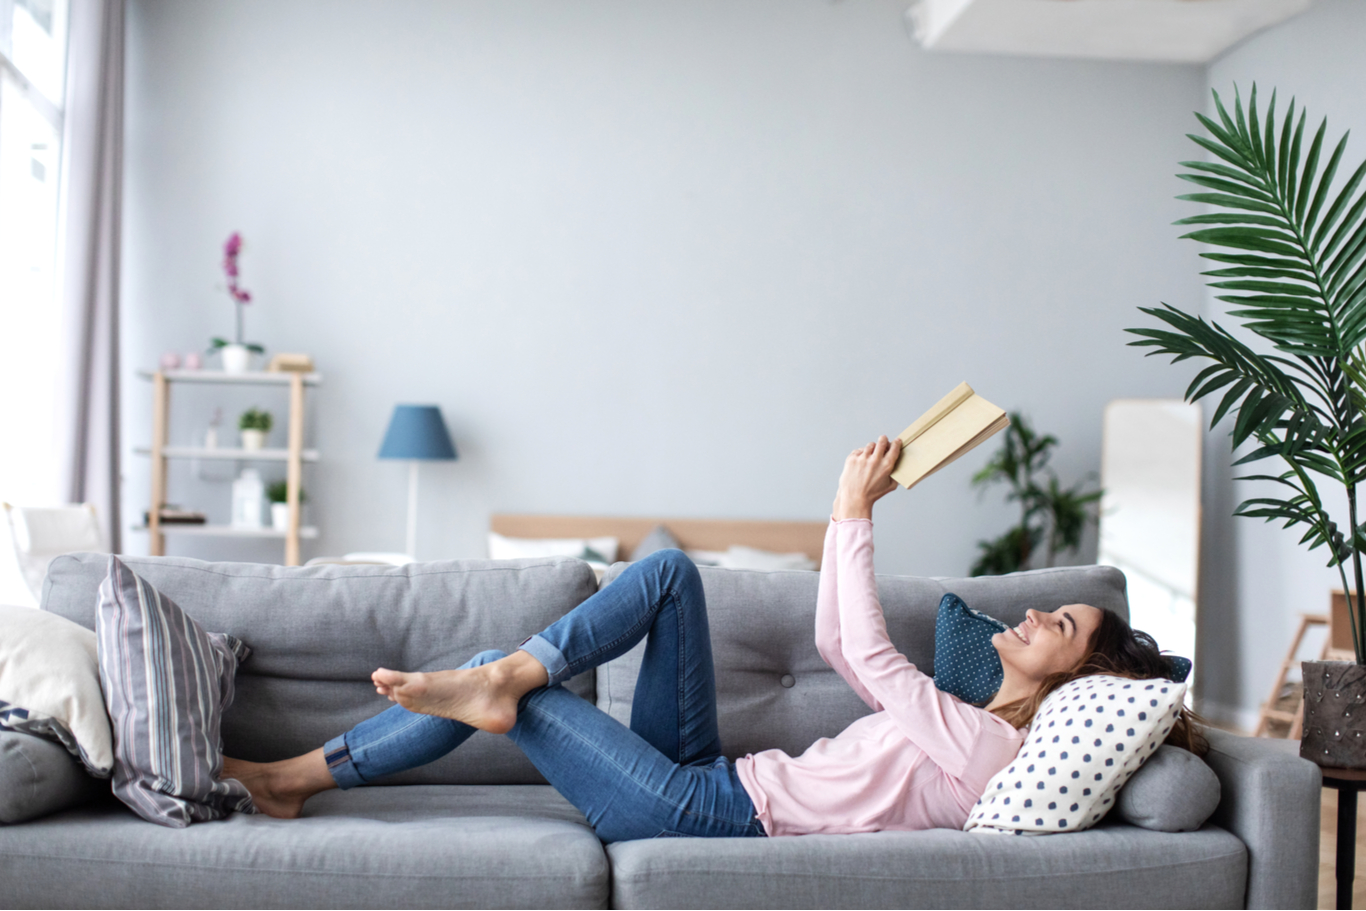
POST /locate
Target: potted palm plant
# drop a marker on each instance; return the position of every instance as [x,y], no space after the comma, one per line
[1288,248]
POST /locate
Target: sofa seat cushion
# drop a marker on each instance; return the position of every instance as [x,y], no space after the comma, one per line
[1110,866]
[417,846]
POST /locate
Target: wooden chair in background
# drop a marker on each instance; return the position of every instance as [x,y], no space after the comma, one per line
[1337,646]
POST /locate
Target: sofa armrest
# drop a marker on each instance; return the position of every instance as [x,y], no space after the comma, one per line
[1270,800]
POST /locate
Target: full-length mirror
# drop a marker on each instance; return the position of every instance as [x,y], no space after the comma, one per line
[1150,513]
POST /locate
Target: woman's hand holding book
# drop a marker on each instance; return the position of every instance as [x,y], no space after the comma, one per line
[867,478]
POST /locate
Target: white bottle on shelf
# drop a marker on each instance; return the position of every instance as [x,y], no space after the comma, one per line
[247,493]
[211,435]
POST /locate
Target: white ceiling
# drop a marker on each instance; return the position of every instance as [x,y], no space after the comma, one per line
[1171,31]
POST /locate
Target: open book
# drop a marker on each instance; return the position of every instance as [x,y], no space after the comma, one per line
[960,421]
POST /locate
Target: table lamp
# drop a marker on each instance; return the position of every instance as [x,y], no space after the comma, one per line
[416,433]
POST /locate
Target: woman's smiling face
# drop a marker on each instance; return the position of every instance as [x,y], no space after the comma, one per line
[1048,642]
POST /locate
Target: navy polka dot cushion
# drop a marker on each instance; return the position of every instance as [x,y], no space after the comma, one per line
[965,662]
[1087,739]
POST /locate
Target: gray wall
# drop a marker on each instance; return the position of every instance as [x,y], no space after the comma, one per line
[1255,580]
[670,258]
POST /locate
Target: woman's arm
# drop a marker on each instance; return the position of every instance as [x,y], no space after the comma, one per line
[862,483]
[828,620]
[946,728]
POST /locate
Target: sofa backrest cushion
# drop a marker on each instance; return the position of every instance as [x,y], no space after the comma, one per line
[316,634]
[774,691]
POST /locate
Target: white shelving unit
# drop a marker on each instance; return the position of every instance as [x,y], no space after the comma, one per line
[294,456]
[228,454]
[227,531]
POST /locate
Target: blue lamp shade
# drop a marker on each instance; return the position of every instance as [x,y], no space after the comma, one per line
[417,432]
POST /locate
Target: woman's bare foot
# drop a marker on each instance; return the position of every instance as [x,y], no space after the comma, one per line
[483,697]
[279,789]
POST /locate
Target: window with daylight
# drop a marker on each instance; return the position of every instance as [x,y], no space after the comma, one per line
[32,83]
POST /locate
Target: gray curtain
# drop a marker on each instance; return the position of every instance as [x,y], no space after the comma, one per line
[92,212]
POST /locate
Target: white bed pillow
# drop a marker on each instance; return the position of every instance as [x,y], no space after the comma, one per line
[502,547]
[50,685]
[1088,738]
[738,556]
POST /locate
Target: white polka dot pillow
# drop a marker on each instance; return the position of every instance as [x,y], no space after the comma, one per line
[1088,737]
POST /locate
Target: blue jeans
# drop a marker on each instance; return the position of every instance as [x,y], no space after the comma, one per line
[662,776]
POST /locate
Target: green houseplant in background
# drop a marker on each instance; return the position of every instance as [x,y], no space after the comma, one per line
[254,424]
[1049,513]
[277,493]
[1290,252]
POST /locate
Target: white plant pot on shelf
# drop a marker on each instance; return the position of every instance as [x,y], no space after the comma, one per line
[253,440]
[279,516]
[236,358]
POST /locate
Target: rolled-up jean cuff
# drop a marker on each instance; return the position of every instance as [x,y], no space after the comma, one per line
[337,755]
[549,656]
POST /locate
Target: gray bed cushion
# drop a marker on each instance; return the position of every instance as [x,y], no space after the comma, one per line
[503,846]
[38,777]
[659,538]
[1174,791]
[316,634]
[1104,867]
[773,690]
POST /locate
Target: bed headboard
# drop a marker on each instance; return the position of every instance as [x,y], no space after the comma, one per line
[693,534]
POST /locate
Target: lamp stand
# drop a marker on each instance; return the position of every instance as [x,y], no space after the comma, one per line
[412,509]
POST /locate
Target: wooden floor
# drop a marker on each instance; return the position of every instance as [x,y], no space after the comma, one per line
[1328,829]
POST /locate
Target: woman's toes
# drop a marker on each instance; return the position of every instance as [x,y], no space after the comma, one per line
[383,677]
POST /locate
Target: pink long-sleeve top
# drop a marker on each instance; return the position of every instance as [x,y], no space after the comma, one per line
[920,761]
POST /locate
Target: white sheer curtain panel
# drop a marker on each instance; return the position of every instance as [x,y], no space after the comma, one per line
[92,204]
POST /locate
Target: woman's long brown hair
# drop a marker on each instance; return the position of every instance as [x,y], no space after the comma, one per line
[1119,651]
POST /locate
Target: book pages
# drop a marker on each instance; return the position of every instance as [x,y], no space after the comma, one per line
[958,423]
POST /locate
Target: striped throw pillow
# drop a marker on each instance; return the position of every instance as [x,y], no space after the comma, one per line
[166,684]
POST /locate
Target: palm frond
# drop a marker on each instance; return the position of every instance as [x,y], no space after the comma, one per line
[1289,248]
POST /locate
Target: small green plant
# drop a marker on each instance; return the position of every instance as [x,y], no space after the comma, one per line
[255,419]
[1050,514]
[278,492]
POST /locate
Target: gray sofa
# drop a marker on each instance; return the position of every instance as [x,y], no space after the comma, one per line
[480,828]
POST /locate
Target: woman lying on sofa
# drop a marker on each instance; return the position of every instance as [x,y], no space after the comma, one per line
[919,761]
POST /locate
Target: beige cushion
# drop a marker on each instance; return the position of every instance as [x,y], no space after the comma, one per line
[50,685]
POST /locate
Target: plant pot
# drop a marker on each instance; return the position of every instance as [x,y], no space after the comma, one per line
[236,358]
[1334,714]
[253,440]
[279,516]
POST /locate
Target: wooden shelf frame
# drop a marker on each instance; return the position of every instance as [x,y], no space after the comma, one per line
[293,456]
